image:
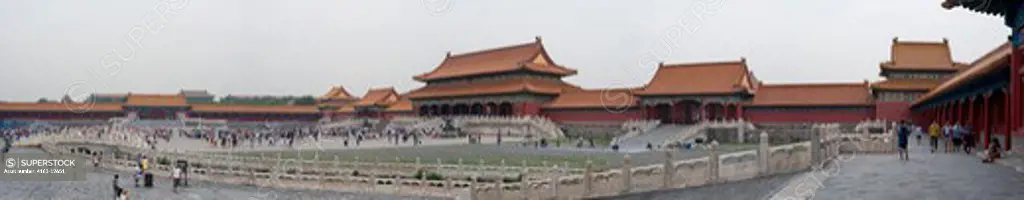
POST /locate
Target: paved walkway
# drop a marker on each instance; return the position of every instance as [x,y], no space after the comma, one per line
[753,189]
[98,186]
[926,176]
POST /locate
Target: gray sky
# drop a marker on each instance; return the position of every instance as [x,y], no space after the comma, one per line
[48,47]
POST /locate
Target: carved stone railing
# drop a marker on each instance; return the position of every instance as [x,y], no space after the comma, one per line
[867,126]
[375,175]
[634,128]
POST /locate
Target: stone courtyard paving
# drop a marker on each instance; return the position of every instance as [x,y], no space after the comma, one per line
[98,186]
[753,189]
[929,176]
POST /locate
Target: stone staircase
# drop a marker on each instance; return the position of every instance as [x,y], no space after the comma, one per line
[516,126]
[655,137]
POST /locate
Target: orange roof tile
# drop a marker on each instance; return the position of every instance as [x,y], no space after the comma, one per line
[906,84]
[168,100]
[599,98]
[378,97]
[700,78]
[220,108]
[402,105]
[336,92]
[528,56]
[991,61]
[489,87]
[819,94]
[912,55]
[59,107]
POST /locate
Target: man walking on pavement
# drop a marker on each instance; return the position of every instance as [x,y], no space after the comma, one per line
[933,134]
[903,135]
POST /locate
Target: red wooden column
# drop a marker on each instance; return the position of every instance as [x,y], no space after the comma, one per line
[944,114]
[1013,96]
[985,120]
[961,112]
[739,111]
[970,113]
[703,112]
[1007,121]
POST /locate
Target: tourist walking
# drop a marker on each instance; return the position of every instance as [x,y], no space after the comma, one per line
[117,188]
[968,140]
[176,178]
[956,136]
[933,135]
[903,134]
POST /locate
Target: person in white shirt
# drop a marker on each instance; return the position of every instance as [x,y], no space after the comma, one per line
[176,176]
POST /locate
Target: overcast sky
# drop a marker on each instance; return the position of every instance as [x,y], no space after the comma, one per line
[49,47]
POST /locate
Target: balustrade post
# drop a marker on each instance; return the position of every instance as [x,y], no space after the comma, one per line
[555,181]
[815,147]
[277,172]
[763,155]
[500,183]
[668,171]
[627,174]
[588,178]
[473,187]
[373,174]
[397,170]
[447,177]
[524,183]
[423,174]
[713,162]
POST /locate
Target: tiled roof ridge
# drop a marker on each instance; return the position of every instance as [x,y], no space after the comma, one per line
[381,88]
[482,51]
[702,64]
[896,40]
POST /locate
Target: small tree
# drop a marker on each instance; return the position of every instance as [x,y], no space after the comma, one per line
[305,100]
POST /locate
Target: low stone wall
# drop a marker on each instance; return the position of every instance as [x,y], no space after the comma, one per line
[671,174]
[465,181]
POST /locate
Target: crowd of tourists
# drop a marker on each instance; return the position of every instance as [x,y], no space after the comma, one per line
[953,137]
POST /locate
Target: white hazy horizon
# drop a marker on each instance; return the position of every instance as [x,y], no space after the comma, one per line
[262,47]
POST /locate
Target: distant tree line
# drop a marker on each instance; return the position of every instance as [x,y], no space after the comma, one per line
[268,100]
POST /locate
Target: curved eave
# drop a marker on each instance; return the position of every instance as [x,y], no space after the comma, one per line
[989,63]
[428,77]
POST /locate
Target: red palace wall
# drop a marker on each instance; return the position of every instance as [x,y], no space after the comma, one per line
[761,115]
[527,109]
[893,111]
[594,114]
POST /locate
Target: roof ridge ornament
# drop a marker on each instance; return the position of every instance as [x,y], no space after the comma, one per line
[945,41]
[536,39]
[895,40]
